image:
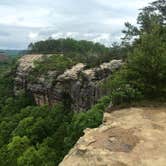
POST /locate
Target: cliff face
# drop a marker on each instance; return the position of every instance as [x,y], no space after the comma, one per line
[128,137]
[78,84]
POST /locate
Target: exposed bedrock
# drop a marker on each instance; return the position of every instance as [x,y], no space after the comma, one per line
[78,84]
[127,137]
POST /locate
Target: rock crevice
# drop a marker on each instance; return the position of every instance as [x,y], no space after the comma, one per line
[80,84]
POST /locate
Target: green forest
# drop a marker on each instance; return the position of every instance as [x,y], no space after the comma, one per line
[33,135]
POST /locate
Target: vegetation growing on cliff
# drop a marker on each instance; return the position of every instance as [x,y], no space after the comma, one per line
[34,135]
[55,62]
[62,54]
[40,135]
[68,45]
[77,51]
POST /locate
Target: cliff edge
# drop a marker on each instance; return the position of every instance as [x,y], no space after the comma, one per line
[78,84]
[128,137]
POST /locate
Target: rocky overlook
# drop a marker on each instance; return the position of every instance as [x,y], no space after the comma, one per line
[79,84]
[127,137]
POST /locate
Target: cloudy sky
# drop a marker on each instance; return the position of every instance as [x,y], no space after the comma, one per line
[25,21]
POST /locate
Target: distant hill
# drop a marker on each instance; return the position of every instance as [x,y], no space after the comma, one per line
[12,52]
[3,57]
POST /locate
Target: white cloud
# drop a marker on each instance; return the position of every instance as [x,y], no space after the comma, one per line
[103,38]
[24,21]
[24,17]
[57,35]
[65,35]
[136,4]
[33,35]
[89,35]
[118,22]
[70,34]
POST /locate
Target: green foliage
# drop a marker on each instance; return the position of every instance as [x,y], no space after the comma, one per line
[18,144]
[120,89]
[73,51]
[64,53]
[16,147]
[144,75]
[125,94]
[39,135]
[90,119]
[147,64]
[52,46]
[56,62]
[30,157]
[6,84]
[119,51]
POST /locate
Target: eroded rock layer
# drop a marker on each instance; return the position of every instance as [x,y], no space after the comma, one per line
[79,85]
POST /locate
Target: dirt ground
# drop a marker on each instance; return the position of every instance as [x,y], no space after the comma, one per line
[127,137]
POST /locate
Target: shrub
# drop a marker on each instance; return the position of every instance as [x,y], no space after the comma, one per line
[125,94]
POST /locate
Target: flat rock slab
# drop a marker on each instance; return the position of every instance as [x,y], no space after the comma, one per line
[128,137]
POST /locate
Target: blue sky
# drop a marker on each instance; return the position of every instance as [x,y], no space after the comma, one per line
[25,21]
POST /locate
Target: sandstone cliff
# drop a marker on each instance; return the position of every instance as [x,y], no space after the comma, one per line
[79,84]
[128,137]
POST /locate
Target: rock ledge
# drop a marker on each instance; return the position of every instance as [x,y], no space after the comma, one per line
[129,137]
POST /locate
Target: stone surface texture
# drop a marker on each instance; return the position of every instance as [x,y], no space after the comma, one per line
[78,84]
[127,137]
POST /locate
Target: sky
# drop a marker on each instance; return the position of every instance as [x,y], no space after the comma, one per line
[25,21]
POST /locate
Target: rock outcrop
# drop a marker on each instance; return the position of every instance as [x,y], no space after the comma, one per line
[128,137]
[78,84]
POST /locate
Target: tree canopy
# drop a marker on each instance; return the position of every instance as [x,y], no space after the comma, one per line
[33,135]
